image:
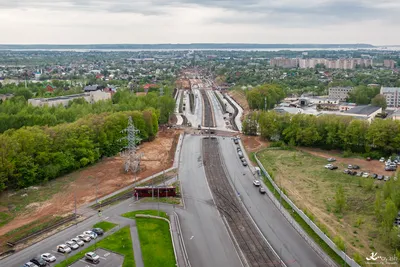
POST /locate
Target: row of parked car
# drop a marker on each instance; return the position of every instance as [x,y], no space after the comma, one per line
[351,170]
[257,183]
[73,244]
[240,152]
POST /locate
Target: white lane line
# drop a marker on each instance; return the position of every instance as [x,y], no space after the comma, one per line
[192,237]
[106,218]
[86,262]
[102,258]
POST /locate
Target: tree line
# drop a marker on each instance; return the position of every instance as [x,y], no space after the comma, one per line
[32,155]
[16,113]
[264,96]
[381,137]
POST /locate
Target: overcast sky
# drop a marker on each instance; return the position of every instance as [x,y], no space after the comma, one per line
[199,21]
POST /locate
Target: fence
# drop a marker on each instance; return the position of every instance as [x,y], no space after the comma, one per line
[310,223]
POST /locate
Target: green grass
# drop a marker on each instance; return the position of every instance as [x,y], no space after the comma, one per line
[5,217]
[106,226]
[155,242]
[114,197]
[119,242]
[132,214]
[30,228]
[167,200]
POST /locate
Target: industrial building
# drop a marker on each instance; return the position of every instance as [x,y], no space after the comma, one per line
[90,97]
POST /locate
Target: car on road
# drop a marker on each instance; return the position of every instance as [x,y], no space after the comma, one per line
[92,235]
[327,166]
[63,248]
[30,264]
[240,154]
[98,231]
[331,159]
[244,162]
[73,245]
[256,182]
[380,177]
[262,190]
[85,238]
[235,140]
[365,175]
[48,257]
[39,262]
[78,241]
[92,257]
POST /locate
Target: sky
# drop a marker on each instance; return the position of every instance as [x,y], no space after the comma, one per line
[199,21]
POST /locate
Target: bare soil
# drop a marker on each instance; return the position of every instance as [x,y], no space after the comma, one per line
[253,143]
[240,98]
[108,174]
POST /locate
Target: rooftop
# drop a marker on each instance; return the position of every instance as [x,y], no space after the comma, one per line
[389,89]
[363,110]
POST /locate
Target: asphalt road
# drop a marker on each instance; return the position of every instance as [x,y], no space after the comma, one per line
[286,241]
[206,238]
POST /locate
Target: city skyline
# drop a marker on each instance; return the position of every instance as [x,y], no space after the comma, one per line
[198,21]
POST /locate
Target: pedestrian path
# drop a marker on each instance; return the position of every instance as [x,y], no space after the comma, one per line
[136,246]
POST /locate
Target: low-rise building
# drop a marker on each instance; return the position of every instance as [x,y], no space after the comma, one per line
[90,97]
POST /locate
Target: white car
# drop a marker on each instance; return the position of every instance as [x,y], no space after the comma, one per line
[78,241]
[48,257]
[63,248]
[327,166]
[72,244]
[256,182]
[92,235]
[93,257]
[85,238]
[382,159]
[365,175]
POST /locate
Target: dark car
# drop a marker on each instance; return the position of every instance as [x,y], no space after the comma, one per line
[262,190]
[353,173]
[98,231]
[39,262]
[374,175]
[356,167]
[333,167]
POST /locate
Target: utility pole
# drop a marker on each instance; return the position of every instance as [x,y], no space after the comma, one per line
[158,200]
[265,103]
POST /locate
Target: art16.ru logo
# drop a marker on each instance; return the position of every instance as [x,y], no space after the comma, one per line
[375,259]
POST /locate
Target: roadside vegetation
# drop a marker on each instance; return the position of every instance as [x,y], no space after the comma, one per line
[155,238]
[106,226]
[356,213]
[119,242]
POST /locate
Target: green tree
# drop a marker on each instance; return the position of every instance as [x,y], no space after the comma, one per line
[389,213]
[340,199]
[379,101]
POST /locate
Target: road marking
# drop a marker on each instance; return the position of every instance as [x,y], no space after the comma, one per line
[86,262]
[107,254]
[102,258]
[106,218]
[192,237]
[59,253]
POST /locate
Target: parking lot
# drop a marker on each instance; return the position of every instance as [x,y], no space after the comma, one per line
[107,259]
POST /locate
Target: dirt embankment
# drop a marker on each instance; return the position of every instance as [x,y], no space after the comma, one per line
[109,176]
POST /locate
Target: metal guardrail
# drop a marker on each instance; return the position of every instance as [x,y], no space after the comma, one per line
[112,200]
[309,222]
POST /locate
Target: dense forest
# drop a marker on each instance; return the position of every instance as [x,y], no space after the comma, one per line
[381,137]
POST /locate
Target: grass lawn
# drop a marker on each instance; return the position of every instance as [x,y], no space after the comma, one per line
[167,200]
[119,242]
[5,217]
[312,188]
[132,214]
[106,226]
[155,242]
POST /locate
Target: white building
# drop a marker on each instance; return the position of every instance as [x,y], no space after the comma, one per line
[392,96]
[341,93]
[90,97]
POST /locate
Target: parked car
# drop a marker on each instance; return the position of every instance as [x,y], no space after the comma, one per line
[85,238]
[98,231]
[327,166]
[346,171]
[374,175]
[48,257]
[386,178]
[349,166]
[235,140]
[390,168]
[333,167]
[382,159]
[331,159]
[353,173]
[73,245]
[368,159]
[365,175]
[359,174]
[256,182]
[356,167]
[262,190]
[380,177]
[238,149]
[30,264]
[63,248]
[244,162]
[240,154]
[78,241]
[93,257]
[39,262]
[92,235]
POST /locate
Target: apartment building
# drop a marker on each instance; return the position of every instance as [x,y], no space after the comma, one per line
[282,62]
[342,63]
[388,63]
[90,97]
[392,96]
[341,93]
